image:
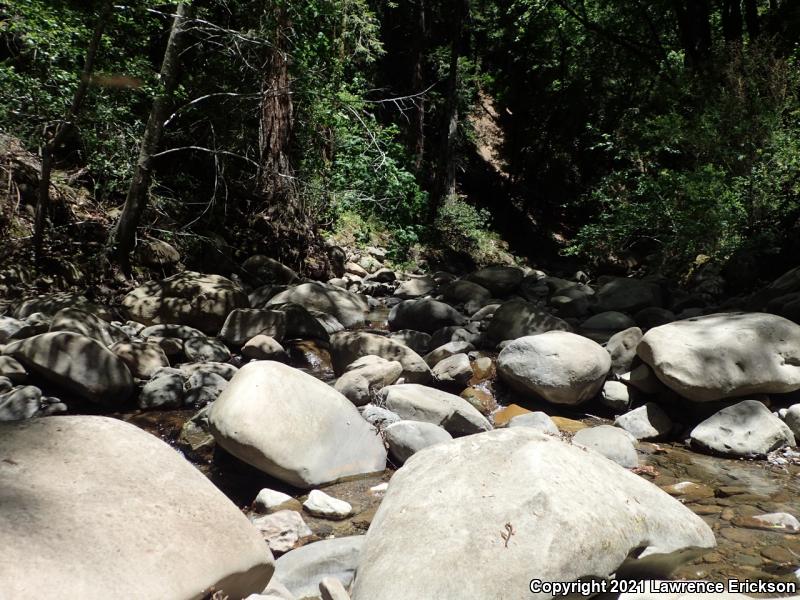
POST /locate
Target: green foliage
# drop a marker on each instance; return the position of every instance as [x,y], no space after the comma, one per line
[47,41]
[710,168]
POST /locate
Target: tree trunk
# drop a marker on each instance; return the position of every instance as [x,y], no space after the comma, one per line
[694,27]
[123,236]
[751,18]
[51,145]
[275,128]
[290,229]
[732,21]
[420,38]
[446,170]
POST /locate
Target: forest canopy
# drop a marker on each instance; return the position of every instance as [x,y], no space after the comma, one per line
[630,134]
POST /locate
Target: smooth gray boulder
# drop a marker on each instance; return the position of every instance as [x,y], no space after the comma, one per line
[348,346]
[482,508]
[142,358]
[349,309]
[325,506]
[20,403]
[205,349]
[561,367]
[608,321]
[82,322]
[77,363]
[11,328]
[612,442]
[199,300]
[171,330]
[447,350]
[293,426]
[424,314]
[418,341]
[203,387]
[725,355]
[517,318]
[162,392]
[615,395]
[12,369]
[245,323]
[264,269]
[302,569]
[628,295]
[406,438]
[745,429]
[792,419]
[366,376]
[535,420]
[416,287]
[500,280]
[453,370]
[420,403]
[622,349]
[118,514]
[461,291]
[648,422]
[263,347]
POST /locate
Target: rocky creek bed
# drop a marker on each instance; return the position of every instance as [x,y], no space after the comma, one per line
[526,425]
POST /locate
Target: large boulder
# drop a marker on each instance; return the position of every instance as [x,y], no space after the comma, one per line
[107,510]
[188,298]
[424,314]
[622,349]
[348,346]
[243,324]
[366,376]
[495,510]
[420,403]
[416,287]
[302,569]
[628,295]
[293,426]
[647,422]
[263,269]
[142,358]
[517,318]
[500,280]
[462,291]
[77,363]
[746,429]
[558,366]
[349,309]
[405,438]
[80,321]
[612,442]
[725,355]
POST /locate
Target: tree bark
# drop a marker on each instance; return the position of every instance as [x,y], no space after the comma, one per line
[446,172]
[732,21]
[290,228]
[51,145]
[123,236]
[694,26]
[420,38]
[276,123]
[751,18]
